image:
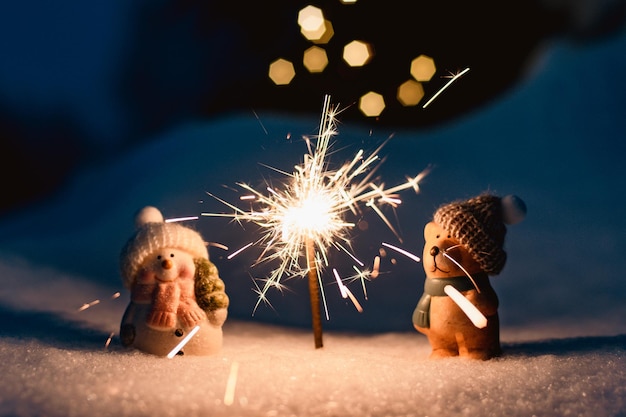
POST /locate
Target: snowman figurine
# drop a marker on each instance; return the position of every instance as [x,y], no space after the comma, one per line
[174,288]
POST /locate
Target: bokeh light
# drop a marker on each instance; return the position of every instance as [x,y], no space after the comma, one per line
[357,53]
[310,18]
[281,71]
[313,26]
[322,35]
[318,31]
[410,93]
[423,68]
[372,104]
[315,59]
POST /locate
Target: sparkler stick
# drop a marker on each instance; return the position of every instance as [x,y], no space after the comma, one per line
[314,294]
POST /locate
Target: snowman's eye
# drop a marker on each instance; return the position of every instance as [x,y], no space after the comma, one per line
[437,237]
[171,255]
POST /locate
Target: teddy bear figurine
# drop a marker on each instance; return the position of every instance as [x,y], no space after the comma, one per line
[463,247]
[174,287]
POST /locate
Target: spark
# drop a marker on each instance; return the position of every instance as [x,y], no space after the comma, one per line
[342,288]
[238,251]
[453,78]
[218,245]
[87,305]
[181,219]
[260,122]
[231,384]
[402,251]
[108,342]
[183,342]
[362,276]
[461,268]
[90,304]
[477,318]
[346,293]
[375,269]
[358,306]
[350,254]
[311,205]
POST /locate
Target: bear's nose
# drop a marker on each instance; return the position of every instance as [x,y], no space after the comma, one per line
[434,251]
[167,264]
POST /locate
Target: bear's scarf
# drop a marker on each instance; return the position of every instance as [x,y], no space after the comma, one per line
[433,287]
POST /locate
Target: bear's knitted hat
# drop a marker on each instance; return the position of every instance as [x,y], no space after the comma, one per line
[479,224]
[153,234]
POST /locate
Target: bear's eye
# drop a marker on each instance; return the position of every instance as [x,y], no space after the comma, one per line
[171,255]
[159,257]
[449,237]
[437,237]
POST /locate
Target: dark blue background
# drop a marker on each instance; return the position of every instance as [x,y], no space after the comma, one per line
[83,82]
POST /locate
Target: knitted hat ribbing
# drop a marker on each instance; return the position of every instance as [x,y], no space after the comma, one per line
[153,234]
[479,225]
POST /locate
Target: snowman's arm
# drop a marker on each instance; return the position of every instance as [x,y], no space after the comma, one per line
[209,287]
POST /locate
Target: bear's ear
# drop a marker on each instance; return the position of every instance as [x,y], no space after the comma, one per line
[430,230]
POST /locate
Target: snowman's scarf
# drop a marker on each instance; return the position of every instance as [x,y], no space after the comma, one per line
[169,300]
[433,287]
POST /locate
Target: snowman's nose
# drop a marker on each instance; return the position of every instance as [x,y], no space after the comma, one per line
[167,264]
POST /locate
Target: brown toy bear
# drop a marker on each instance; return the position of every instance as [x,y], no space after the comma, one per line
[173,288]
[463,246]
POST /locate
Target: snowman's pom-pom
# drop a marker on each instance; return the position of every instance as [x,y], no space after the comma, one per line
[148,214]
[513,209]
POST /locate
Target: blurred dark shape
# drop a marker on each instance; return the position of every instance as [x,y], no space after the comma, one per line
[37,155]
[190,59]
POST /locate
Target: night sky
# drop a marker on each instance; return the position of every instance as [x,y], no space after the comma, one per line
[83,82]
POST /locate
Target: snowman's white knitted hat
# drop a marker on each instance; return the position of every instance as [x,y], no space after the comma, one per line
[479,224]
[152,234]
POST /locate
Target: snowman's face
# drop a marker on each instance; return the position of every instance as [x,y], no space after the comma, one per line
[166,265]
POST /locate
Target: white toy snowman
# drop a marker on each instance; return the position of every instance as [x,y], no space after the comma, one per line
[173,288]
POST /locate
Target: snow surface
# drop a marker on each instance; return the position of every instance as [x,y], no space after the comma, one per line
[557,141]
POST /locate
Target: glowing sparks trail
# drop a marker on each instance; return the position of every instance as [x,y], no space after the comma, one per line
[453,78]
[238,251]
[477,318]
[402,251]
[88,305]
[108,342]
[231,384]
[183,342]
[181,219]
[376,268]
[307,214]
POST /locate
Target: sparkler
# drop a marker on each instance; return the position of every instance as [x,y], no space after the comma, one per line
[307,214]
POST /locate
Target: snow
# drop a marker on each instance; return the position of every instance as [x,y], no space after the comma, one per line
[556,141]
